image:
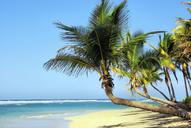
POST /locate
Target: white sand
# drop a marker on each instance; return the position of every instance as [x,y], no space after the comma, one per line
[126,118]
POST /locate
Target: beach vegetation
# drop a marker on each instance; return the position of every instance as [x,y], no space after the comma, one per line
[187,100]
[106,45]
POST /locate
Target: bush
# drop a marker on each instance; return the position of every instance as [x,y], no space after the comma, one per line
[187,100]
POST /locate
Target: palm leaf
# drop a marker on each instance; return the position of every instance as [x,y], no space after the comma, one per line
[141,36]
[149,60]
[100,13]
[73,34]
[120,15]
[121,72]
[70,64]
[73,49]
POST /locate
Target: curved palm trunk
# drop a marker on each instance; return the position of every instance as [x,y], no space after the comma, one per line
[185,82]
[171,86]
[188,80]
[175,76]
[168,86]
[161,109]
[160,92]
[161,101]
[188,77]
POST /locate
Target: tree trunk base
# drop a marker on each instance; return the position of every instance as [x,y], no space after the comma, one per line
[146,106]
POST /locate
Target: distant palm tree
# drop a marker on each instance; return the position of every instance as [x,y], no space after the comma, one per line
[141,67]
[97,47]
[167,52]
[182,35]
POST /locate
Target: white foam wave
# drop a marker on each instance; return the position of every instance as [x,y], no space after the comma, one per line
[146,100]
[21,102]
[50,115]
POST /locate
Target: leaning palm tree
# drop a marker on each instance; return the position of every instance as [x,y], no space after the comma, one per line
[167,52]
[92,48]
[141,67]
[96,47]
[182,35]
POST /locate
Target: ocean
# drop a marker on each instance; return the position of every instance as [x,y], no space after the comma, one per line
[47,113]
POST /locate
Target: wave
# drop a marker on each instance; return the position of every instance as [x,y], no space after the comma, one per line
[21,102]
[50,115]
[146,100]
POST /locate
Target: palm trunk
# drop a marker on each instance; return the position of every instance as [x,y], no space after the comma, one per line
[165,102]
[175,76]
[171,86]
[161,109]
[167,84]
[188,76]
[185,83]
[160,92]
[161,101]
[145,106]
[189,84]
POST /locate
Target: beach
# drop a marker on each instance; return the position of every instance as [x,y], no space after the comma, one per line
[127,118]
[48,113]
[80,114]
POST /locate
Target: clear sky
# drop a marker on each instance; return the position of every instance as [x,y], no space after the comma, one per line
[28,38]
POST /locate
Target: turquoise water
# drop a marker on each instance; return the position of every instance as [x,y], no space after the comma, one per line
[17,108]
[47,113]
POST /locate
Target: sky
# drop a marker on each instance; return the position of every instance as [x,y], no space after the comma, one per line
[28,38]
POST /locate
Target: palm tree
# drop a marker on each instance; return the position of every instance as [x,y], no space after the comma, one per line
[167,52]
[182,35]
[97,48]
[93,48]
[142,68]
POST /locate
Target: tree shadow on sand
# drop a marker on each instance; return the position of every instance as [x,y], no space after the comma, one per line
[125,125]
[165,119]
[156,121]
[114,126]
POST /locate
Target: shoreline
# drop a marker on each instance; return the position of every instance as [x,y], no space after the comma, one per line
[130,117]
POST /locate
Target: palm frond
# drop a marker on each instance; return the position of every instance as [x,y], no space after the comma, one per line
[121,72]
[120,15]
[100,13]
[103,42]
[73,50]
[70,64]
[149,60]
[139,36]
[73,33]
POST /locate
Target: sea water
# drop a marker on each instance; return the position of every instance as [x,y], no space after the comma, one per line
[47,113]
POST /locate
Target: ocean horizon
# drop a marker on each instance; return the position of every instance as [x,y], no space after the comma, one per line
[47,113]
[44,113]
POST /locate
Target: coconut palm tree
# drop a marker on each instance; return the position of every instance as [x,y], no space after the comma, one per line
[93,48]
[167,52]
[142,68]
[182,35]
[96,47]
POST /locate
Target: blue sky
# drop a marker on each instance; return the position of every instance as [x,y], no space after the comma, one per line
[28,38]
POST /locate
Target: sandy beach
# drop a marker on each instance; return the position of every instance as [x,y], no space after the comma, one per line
[127,118]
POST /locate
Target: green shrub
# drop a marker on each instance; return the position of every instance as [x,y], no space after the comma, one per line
[187,100]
